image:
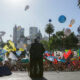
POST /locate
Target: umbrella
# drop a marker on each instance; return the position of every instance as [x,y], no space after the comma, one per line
[25,60]
[50,58]
[12,56]
[18,53]
[63,60]
[1,59]
[21,49]
[2,51]
[46,52]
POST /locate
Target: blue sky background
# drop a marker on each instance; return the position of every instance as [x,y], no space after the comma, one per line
[12,12]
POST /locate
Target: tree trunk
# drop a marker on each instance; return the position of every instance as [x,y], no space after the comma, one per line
[49,43]
[49,37]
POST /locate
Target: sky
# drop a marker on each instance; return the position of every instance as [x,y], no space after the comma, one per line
[12,13]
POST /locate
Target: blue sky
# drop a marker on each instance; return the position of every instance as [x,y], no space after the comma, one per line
[12,12]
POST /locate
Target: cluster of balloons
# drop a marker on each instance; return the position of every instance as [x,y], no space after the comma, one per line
[62,19]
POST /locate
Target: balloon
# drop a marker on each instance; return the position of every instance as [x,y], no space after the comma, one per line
[62,19]
[27,7]
[50,20]
[67,32]
[70,25]
[72,22]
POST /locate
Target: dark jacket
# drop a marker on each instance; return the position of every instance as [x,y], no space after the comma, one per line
[36,50]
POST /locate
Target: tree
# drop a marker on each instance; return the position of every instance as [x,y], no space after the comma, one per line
[71,41]
[60,36]
[49,29]
[45,44]
[57,40]
[54,42]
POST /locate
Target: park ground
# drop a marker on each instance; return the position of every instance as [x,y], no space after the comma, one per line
[47,75]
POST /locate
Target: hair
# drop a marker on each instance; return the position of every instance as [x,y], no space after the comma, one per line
[35,40]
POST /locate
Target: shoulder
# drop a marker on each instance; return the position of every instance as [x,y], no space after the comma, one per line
[41,44]
[32,43]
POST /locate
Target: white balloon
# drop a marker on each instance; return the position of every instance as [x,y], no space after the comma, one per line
[72,22]
[67,31]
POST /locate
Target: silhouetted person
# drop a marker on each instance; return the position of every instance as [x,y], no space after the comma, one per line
[36,59]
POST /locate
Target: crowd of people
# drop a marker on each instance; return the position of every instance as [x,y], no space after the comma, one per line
[47,66]
[39,59]
[60,66]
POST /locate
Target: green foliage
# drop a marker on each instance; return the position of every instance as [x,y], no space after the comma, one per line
[49,29]
[60,34]
[45,44]
[71,41]
[59,41]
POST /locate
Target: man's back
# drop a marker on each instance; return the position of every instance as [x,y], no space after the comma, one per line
[36,50]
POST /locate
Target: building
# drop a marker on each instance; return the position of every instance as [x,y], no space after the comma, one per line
[34,33]
[18,35]
[15,34]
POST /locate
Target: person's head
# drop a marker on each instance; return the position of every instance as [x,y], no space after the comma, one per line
[36,40]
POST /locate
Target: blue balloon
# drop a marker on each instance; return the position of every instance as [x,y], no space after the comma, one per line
[62,19]
[50,20]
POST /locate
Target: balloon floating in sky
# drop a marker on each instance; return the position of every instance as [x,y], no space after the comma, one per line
[50,20]
[67,31]
[71,22]
[62,19]
[27,7]
[70,25]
